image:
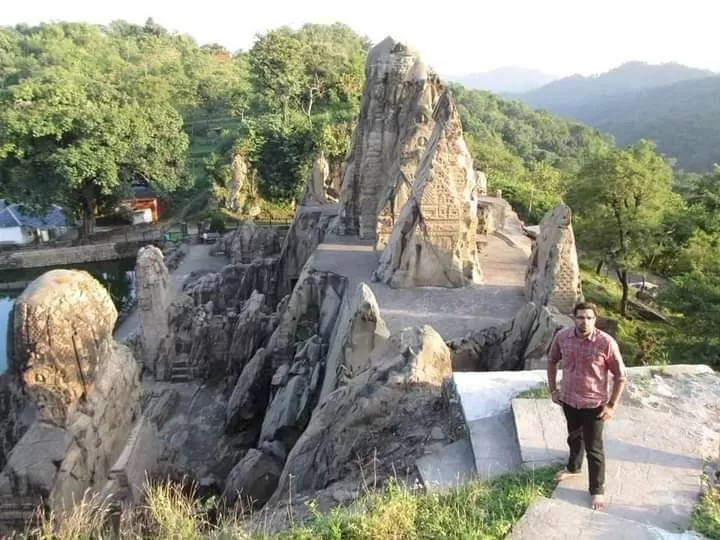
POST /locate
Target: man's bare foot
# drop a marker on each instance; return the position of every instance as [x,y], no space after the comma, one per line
[564,474]
[598,502]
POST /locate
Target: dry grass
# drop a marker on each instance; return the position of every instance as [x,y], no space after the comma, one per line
[475,510]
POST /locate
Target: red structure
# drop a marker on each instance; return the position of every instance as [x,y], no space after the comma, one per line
[144,198]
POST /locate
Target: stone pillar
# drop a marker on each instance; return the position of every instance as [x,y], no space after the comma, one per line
[153,294]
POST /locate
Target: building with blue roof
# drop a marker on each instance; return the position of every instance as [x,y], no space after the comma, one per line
[18,226]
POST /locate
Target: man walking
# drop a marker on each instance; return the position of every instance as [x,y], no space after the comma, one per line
[588,355]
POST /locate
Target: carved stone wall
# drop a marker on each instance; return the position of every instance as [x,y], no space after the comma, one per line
[553,275]
[434,239]
[394,125]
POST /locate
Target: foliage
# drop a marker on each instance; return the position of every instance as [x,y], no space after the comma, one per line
[619,199]
[706,516]
[477,509]
[78,125]
[531,156]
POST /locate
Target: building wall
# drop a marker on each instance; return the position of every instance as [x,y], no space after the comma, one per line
[14,235]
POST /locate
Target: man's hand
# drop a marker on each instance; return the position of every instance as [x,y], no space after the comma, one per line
[606,413]
[555,397]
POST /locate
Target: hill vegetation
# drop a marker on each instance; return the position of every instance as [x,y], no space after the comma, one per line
[87,110]
[673,105]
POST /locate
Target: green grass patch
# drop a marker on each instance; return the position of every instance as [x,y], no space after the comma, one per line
[706,516]
[538,392]
[476,510]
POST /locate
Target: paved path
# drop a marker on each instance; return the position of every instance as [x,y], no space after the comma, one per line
[198,258]
[655,450]
[653,461]
[453,312]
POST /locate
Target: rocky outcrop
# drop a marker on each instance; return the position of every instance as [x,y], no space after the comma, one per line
[521,343]
[307,231]
[383,414]
[84,385]
[553,275]
[358,331]
[394,125]
[62,334]
[433,242]
[154,296]
[319,188]
[252,241]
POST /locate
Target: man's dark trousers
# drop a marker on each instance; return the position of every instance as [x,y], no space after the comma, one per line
[585,431]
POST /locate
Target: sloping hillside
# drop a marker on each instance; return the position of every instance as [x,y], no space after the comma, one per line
[559,95]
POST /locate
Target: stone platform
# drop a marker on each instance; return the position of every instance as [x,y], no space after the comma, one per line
[655,458]
[452,312]
[552,519]
[653,461]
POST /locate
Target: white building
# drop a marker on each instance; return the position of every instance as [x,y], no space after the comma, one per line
[19,227]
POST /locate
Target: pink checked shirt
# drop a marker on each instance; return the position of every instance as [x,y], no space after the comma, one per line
[587,361]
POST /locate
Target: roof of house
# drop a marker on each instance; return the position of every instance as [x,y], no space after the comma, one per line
[14,215]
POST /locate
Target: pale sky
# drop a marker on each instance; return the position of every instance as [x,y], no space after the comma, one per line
[560,37]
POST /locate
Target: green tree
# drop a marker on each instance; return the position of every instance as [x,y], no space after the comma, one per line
[73,131]
[619,200]
[278,70]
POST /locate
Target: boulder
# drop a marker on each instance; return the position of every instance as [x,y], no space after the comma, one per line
[384,414]
[62,332]
[154,297]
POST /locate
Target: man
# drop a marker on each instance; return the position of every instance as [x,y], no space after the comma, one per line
[588,356]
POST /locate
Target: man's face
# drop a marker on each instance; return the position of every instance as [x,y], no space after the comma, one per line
[585,321]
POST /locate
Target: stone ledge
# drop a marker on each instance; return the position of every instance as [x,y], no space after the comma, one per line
[551,519]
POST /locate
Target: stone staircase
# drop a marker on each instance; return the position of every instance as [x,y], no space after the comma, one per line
[17,513]
[653,469]
[181,370]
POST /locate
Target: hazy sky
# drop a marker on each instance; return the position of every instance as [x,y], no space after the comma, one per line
[557,36]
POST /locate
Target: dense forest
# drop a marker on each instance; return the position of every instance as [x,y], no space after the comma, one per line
[675,106]
[85,111]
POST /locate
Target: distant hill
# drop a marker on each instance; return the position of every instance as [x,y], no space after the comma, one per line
[504,80]
[676,106]
[557,95]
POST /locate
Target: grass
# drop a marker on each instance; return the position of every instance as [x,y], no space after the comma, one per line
[477,510]
[538,392]
[706,516]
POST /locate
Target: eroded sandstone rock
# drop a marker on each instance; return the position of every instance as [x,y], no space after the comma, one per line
[319,189]
[384,414]
[521,343]
[433,242]
[395,122]
[86,388]
[154,297]
[62,332]
[358,332]
[553,275]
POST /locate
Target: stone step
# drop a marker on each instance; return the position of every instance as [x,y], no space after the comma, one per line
[552,519]
[485,400]
[451,466]
[653,461]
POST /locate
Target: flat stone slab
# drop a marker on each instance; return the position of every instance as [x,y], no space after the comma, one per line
[494,445]
[450,467]
[541,431]
[487,393]
[553,519]
[653,461]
